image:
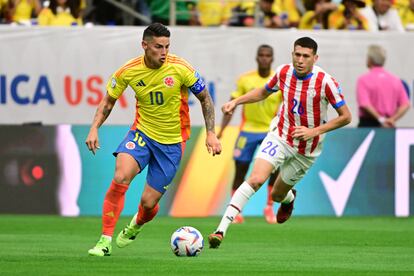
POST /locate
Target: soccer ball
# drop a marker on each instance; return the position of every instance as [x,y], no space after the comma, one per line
[187,241]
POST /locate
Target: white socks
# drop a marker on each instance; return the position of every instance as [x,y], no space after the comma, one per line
[237,202]
[289,197]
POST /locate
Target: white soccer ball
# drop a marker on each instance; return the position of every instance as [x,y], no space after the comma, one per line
[187,241]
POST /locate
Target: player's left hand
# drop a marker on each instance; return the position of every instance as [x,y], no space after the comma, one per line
[213,144]
[304,133]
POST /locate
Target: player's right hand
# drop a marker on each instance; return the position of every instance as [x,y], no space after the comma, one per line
[92,141]
[228,107]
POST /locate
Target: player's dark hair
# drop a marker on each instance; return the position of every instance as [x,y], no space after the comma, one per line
[307,42]
[157,30]
[264,46]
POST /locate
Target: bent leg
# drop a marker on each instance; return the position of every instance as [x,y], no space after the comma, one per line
[260,173]
[148,206]
[241,171]
[280,190]
[126,169]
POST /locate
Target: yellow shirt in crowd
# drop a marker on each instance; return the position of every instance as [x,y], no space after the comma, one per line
[214,13]
[23,10]
[336,20]
[61,18]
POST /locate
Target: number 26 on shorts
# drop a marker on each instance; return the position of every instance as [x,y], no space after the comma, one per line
[270,148]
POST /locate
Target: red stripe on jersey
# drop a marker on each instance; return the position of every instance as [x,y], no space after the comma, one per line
[272,83]
[184,114]
[303,112]
[283,74]
[291,115]
[317,107]
[281,121]
[337,87]
[329,94]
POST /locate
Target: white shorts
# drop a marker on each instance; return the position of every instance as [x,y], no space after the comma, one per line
[293,165]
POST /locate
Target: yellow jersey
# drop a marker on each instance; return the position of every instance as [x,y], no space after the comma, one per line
[61,18]
[214,13]
[162,111]
[23,11]
[256,117]
[406,15]
[337,20]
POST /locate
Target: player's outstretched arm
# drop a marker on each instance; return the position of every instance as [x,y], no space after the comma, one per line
[212,143]
[253,96]
[224,122]
[102,112]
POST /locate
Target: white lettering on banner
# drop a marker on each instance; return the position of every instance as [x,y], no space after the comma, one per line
[340,189]
[404,139]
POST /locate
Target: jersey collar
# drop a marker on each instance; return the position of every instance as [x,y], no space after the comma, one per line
[308,76]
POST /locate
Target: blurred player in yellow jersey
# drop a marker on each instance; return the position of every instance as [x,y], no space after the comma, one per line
[256,118]
[161,83]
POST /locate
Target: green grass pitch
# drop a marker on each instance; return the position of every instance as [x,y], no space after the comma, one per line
[52,245]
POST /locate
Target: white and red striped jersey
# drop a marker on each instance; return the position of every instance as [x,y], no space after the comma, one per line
[305,103]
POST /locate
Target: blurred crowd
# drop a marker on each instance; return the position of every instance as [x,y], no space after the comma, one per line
[371,15]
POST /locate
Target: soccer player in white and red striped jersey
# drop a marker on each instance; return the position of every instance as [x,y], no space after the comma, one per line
[294,140]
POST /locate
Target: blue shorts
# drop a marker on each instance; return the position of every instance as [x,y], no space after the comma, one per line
[246,145]
[162,159]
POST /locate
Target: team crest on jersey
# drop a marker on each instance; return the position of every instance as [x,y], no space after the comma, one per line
[113,82]
[169,81]
[312,92]
[130,145]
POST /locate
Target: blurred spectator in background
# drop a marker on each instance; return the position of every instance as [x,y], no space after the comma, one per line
[22,11]
[406,13]
[214,13]
[317,14]
[3,4]
[104,13]
[82,8]
[290,10]
[267,16]
[186,13]
[348,16]
[61,13]
[382,16]
[243,14]
[256,118]
[381,96]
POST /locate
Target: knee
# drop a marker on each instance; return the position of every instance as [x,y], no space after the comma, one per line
[121,178]
[256,181]
[147,203]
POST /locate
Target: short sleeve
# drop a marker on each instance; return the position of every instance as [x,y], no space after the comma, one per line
[116,85]
[334,93]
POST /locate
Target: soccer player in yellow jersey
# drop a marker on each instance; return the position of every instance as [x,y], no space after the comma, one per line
[256,118]
[158,135]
